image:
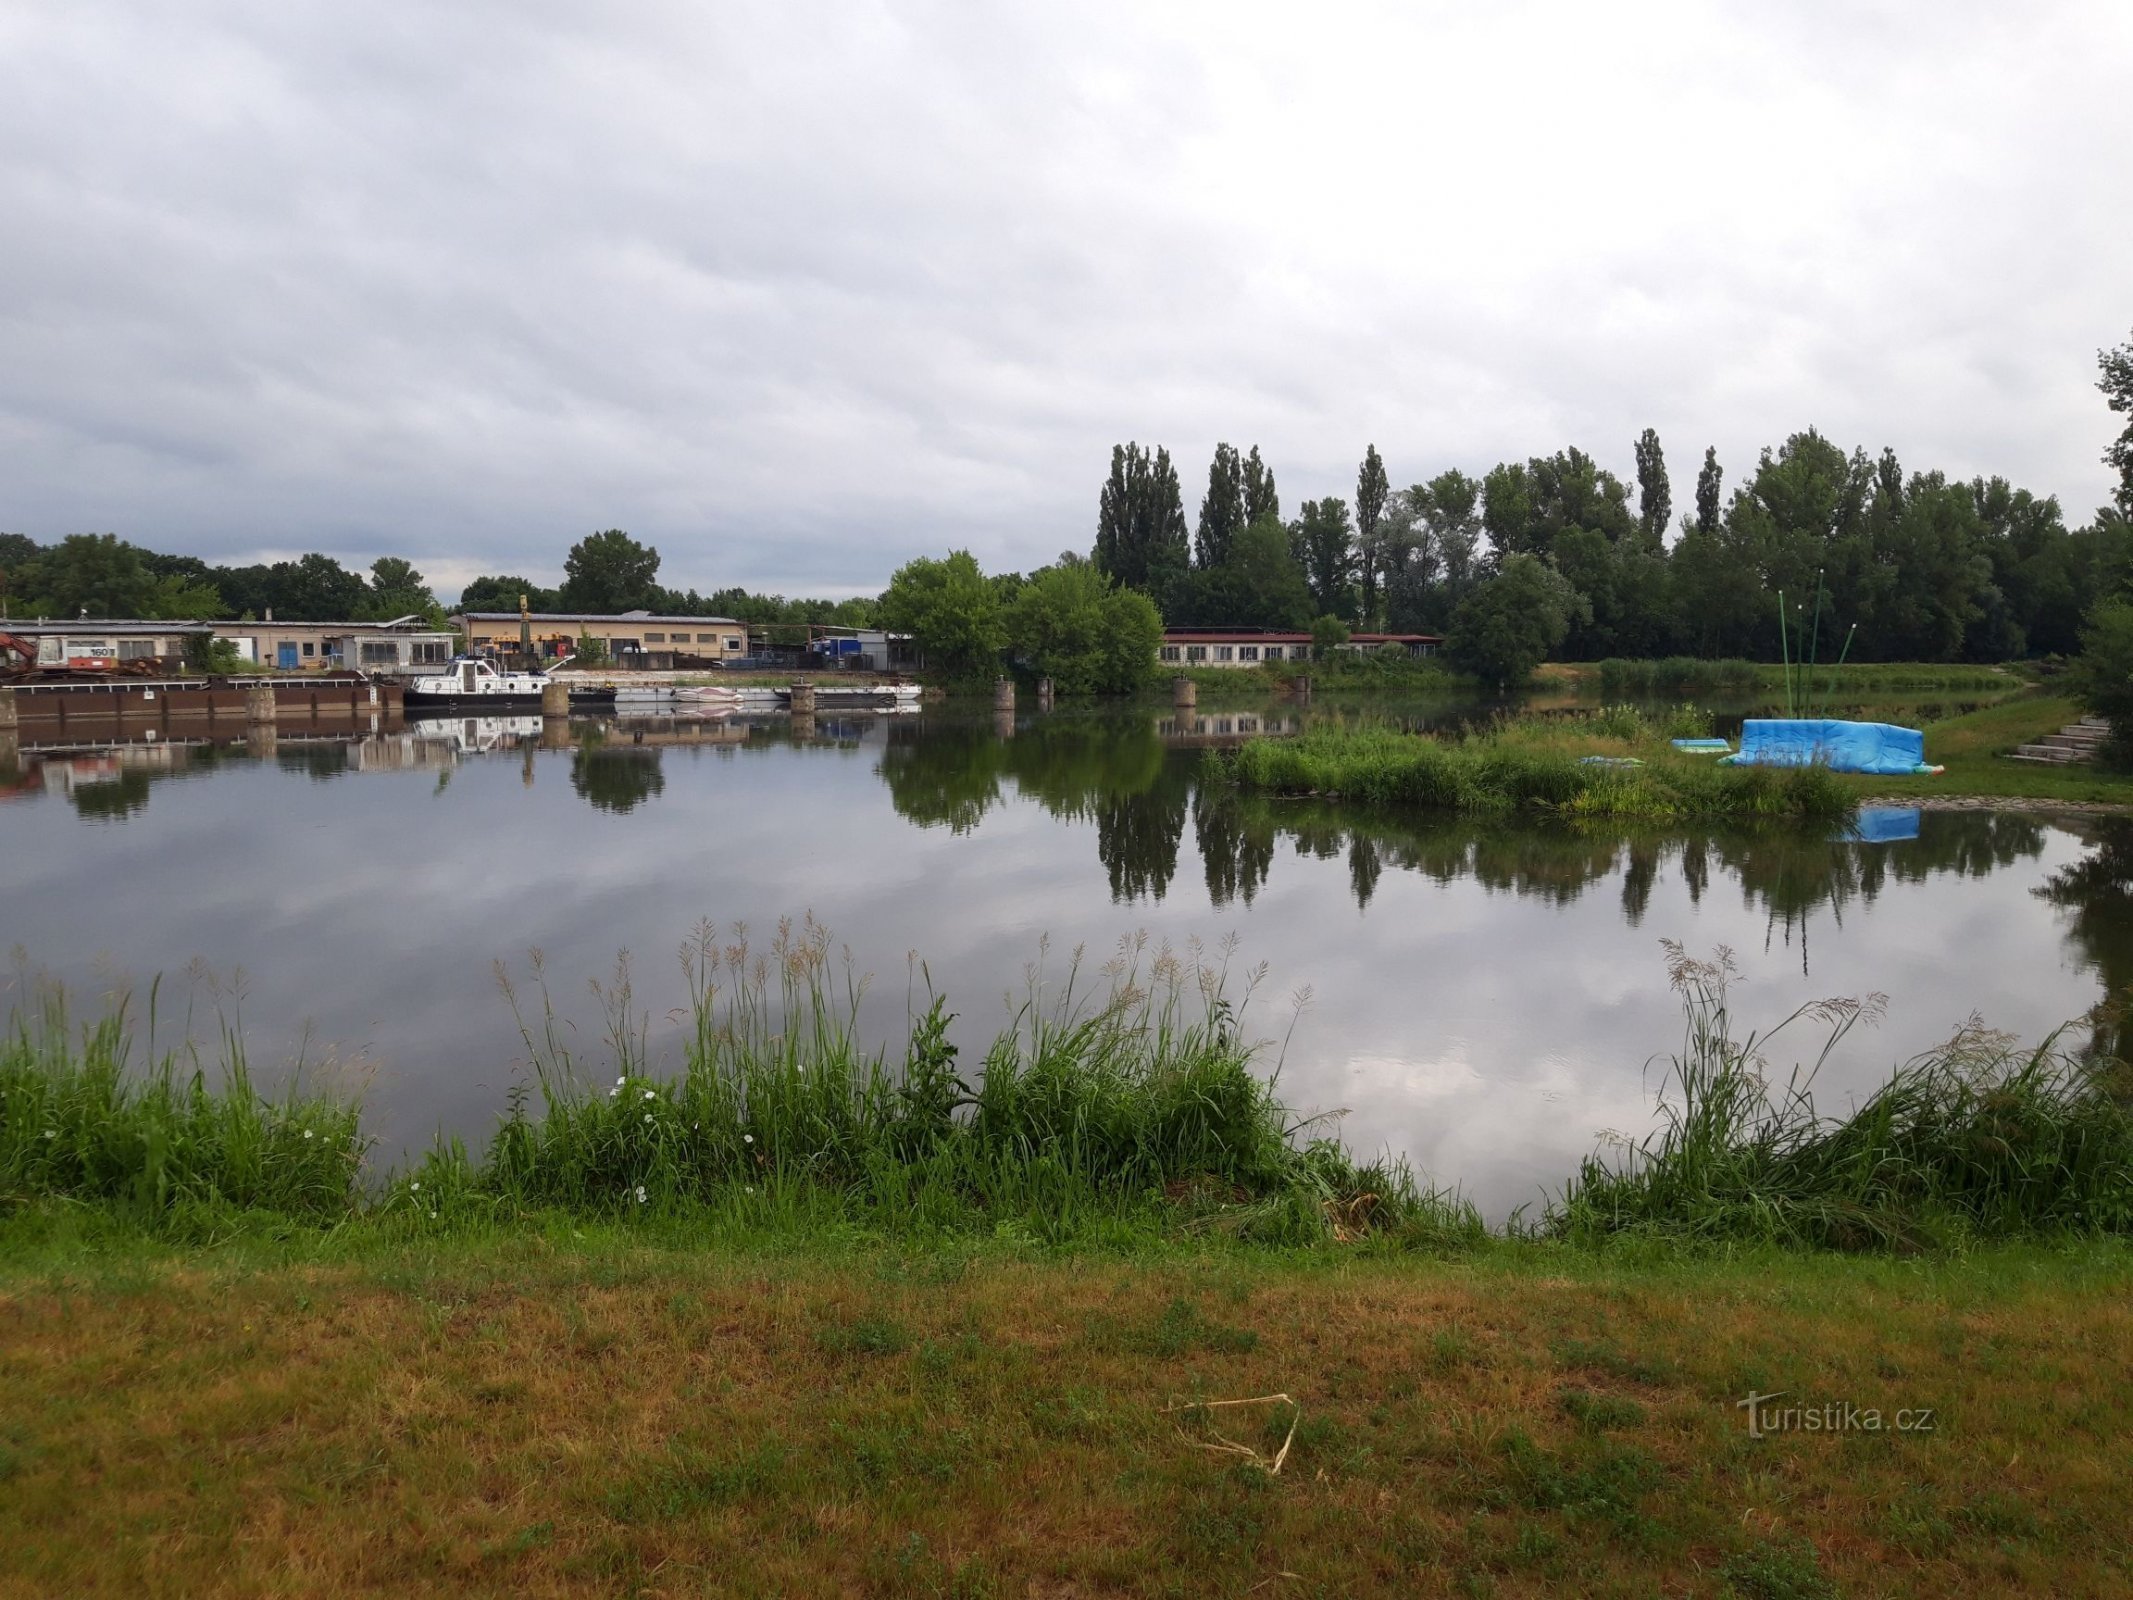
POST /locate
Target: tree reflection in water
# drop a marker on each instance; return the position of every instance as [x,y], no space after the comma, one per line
[1140,793]
[2097,892]
[616,780]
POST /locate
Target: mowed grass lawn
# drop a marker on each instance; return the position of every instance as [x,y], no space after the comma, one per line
[1973,748]
[584,1412]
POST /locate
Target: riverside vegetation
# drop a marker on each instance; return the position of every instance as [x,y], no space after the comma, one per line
[1617,764]
[1132,1113]
[800,1318]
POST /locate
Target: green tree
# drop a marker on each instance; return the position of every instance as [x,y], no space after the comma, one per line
[1328,634]
[610,572]
[502,594]
[398,590]
[1258,585]
[2117,386]
[91,575]
[1509,625]
[1261,498]
[1140,521]
[1708,483]
[1371,490]
[1655,501]
[2102,679]
[951,612]
[1221,509]
[1072,624]
[1324,546]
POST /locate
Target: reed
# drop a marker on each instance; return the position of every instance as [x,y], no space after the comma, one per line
[1979,1138]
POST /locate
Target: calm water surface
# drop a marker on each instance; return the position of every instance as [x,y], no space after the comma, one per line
[1485,1000]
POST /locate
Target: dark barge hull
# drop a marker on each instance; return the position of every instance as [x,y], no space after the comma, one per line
[419,701]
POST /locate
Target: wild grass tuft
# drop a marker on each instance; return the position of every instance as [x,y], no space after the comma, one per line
[170,1140]
[1978,1138]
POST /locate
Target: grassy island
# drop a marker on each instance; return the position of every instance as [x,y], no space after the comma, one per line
[1613,764]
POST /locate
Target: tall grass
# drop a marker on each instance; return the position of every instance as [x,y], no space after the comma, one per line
[1976,1138]
[1118,1104]
[1514,767]
[1094,1102]
[172,1140]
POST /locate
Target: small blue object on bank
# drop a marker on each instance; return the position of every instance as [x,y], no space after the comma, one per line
[1704,747]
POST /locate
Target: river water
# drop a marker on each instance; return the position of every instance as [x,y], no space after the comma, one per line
[1486,1000]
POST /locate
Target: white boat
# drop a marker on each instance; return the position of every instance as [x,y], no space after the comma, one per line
[681,696]
[468,681]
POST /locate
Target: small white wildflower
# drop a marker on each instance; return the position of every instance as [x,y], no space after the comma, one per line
[307,1133]
[648,1094]
[751,1188]
[619,1082]
[640,1194]
[415,1185]
[51,1133]
[433,1216]
[747,1138]
[648,1116]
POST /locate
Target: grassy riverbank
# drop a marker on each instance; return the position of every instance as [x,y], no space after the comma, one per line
[1685,677]
[1973,747]
[1534,762]
[804,1318]
[559,1406]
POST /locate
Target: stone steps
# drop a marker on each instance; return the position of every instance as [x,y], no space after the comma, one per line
[2073,744]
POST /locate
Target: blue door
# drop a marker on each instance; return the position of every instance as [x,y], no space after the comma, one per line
[286,658]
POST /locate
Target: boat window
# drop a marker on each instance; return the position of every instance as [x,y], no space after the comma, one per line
[466,677]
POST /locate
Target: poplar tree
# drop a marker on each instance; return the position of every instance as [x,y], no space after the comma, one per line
[1655,500]
[1261,498]
[1707,486]
[1221,509]
[1140,521]
[1371,489]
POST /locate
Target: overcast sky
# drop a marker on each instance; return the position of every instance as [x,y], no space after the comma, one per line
[797,291]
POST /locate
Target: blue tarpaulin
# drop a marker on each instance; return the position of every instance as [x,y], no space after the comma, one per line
[1876,747]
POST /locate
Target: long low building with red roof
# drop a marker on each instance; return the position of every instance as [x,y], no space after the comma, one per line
[1248,647]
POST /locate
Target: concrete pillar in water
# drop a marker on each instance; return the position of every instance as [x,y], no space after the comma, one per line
[1301,683]
[10,718]
[259,706]
[803,726]
[1044,694]
[802,696]
[1003,695]
[1003,724]
[1184,693]
[555,733]
[555,700]
[261,740]
[10,750]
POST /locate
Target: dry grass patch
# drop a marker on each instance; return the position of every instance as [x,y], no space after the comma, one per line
[670,1424]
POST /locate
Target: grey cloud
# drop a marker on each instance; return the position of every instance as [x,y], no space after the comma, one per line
[798,291]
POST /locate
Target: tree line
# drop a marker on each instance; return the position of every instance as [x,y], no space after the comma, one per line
[1557,556]
[102,575]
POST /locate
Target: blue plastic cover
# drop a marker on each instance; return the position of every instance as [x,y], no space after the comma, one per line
[1876,747]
